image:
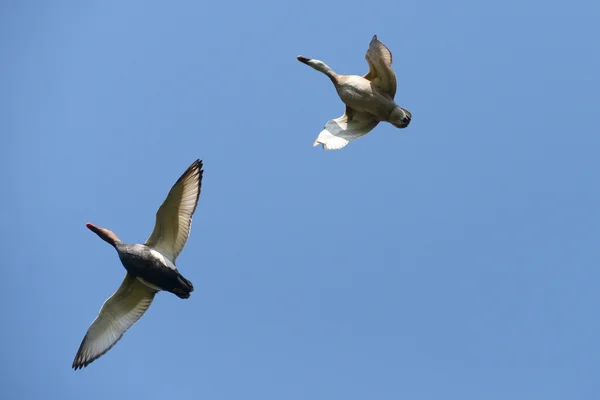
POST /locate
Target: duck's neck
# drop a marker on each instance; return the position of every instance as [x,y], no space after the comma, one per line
[105,234]
[109,237]
[326,69]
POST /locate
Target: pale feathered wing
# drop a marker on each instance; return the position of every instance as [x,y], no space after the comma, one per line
[380,72]
[339,132]
[123,309]
[174,217]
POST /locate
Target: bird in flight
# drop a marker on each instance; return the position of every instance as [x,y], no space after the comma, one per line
[150,268]
[369,99]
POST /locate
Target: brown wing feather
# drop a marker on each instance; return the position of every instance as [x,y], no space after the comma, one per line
[381,73]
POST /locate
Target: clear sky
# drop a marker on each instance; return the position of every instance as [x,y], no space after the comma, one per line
[454,259]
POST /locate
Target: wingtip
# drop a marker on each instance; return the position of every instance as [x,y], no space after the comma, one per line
[80,360]
[79,363]
[196,165]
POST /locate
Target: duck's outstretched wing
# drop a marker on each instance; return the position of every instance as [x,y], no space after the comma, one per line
[174,217]
[123,309]
[340,131]
[380,72]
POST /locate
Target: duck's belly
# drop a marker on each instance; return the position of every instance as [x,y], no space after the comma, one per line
[150,267]
[358,94]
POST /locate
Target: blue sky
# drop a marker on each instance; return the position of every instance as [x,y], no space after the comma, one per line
[454,259]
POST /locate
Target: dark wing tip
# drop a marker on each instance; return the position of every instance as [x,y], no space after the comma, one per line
[200,175]
[80,362]
[196,166]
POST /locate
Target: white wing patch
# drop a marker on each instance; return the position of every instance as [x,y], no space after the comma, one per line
[339,132]
[164,260]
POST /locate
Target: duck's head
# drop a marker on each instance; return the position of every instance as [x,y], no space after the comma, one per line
[318,65]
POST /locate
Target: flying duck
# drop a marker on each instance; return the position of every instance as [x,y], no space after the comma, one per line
[369,99]
[150,268]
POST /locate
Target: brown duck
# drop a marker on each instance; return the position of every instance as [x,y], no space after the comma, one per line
[369,99]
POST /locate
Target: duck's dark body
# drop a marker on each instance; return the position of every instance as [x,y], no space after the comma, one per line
[143,262]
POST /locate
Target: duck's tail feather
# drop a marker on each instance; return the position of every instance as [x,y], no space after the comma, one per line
[184,289]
